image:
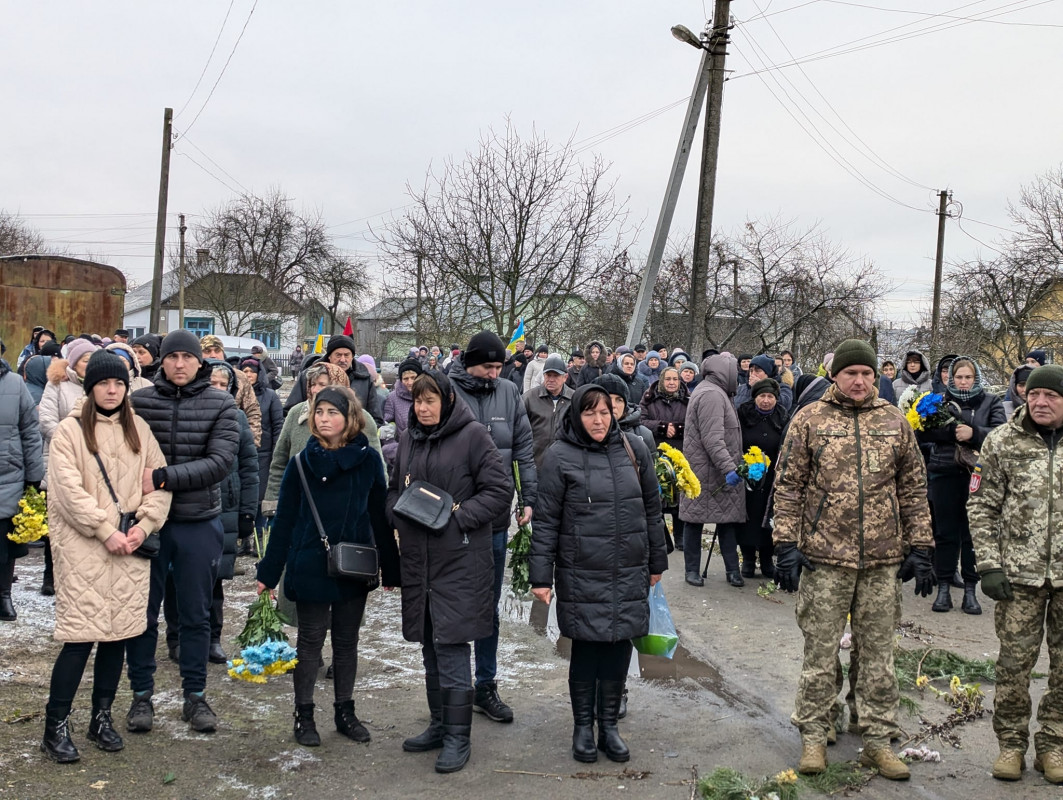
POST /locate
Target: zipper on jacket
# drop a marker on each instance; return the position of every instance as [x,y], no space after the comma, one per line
[859,482]
[1051,487]
[616,539]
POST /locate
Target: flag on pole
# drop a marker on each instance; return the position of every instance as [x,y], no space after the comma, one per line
[518,335]
[319,346]
[348,329]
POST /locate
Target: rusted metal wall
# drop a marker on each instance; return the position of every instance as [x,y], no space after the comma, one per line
[66,295]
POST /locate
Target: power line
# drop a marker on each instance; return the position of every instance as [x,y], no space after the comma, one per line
[215,47]
[371,216]
[929,14]
[215,177]
[254,5]
[601,138]
[215,163]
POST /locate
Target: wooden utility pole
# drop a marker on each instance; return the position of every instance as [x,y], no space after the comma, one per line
[160,224]
[717,46]
[935,316]
[181,273]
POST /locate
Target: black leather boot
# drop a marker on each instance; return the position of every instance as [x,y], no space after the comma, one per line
[48,584]
[7,608]
[944,599]
[348,724]
[457,725]
[56,743]
[749,568]
[735,578]
[583,696]
[609,741]
[305,730]
[970,600]
[101,729]
[432,737]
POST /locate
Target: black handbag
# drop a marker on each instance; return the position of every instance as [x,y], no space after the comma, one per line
[346,560]
[151,545]
[425,505]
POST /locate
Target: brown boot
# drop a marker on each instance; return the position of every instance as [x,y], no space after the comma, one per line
[1051,764]
[1009,765]
[813,759]
[886,762]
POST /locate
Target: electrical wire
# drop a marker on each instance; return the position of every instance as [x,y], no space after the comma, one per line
[371,216]
[959,217]
[215,177]
[601,138]
[204,72]
[219,166]
[929,14]
[874,157]
[236,44]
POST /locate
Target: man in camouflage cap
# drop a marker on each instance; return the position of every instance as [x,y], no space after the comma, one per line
[1016,509]
[850,508]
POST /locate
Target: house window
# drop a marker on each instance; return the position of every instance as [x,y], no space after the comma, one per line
[267,331]
[135,333]
[200,326]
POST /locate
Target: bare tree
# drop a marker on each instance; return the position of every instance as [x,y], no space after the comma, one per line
[339,284]
[18,237]
[517,228]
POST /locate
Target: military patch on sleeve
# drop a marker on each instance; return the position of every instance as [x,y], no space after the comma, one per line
[976,478]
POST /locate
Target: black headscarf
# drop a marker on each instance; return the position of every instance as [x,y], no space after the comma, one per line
[573,420]
[446,392]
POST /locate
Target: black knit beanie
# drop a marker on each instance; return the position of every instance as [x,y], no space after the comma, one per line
[181,341]
[253,363]
[51,349]
[338,342]
[150,342]
[485,347]
[103,365]
[1050,376]
[410,365]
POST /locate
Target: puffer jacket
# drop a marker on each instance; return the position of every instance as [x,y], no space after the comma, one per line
[982,413]
[63,392]
[361,384]
[349,492]
[295,434]
[851,485]
[599,533]
[712,444]
[100,597]
[21,456]
[35,371]
[199,434]
[923,381]
[239,496]
[592,369]
[397,408]
[137,380]
[632,423]
[453,571]
[659,411]
[498,406]
[1016,503]
[272,424]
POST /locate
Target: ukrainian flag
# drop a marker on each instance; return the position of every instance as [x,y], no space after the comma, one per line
[518,335]
[319,346]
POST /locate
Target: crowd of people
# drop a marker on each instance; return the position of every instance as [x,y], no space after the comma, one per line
[165,448]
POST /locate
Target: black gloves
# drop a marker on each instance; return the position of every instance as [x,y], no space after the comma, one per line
[995,584]
[919,565]
[246,526]
[31,485]
[789,561]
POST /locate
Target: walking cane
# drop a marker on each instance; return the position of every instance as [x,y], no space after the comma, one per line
[705,572]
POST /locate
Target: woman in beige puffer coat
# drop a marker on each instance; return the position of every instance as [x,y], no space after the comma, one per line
[102,587]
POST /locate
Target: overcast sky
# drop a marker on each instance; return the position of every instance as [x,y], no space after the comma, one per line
[341,104]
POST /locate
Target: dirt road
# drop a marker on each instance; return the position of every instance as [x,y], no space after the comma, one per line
[724,701]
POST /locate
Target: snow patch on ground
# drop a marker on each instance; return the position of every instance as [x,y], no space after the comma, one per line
[293,760]
[248,791]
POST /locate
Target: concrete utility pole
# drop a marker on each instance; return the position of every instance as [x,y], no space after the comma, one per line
[671,192]
[721,23]
[160,224]
[181,273]
[417,319]
[935,316]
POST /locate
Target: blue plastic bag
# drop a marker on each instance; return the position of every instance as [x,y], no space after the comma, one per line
[663,638]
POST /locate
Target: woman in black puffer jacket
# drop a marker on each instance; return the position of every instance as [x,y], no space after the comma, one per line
[948,481]
[448,578]
[599,536]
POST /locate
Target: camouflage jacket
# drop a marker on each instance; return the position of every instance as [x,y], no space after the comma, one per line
[1015,505]
[851,484]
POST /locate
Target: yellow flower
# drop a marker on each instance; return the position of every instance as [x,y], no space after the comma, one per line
[914,419]
[954,684]
[922,681]
[787,776]
[685,478]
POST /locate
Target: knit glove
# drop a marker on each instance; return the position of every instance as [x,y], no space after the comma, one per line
[919,565]
[733,478]
[995,584]
[787,378]
[789,561]
[246,526]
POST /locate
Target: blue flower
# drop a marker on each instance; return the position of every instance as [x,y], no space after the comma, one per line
[756,471]
[929,405]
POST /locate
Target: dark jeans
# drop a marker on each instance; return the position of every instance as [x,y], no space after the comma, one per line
[169,611]
[599,661]
[952,533]
[70,666]
[486,649]
[193,550]
[345,620]
[725,535]
[677,527]
[447,662]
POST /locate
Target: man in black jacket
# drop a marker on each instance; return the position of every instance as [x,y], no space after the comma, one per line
[340,351]
[498,406]
[198,431]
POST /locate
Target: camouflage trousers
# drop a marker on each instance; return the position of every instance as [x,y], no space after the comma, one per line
[1020,625]
[824,600]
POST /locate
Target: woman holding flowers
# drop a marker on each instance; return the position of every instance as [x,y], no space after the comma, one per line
[763,420]
[98,457]
[345,478]
[973,413]
[599,536]
[664,410]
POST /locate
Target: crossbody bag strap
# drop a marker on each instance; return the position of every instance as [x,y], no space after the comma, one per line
[310,500]
[107,480]
[630,452]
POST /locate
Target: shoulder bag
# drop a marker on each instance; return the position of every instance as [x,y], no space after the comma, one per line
[424,504]
[346,560]
[151,545]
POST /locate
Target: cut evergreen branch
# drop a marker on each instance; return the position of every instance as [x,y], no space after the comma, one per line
[939,664]
[839,776]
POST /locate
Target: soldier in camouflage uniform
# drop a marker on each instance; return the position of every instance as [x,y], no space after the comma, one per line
[1016,510]
[850,508]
